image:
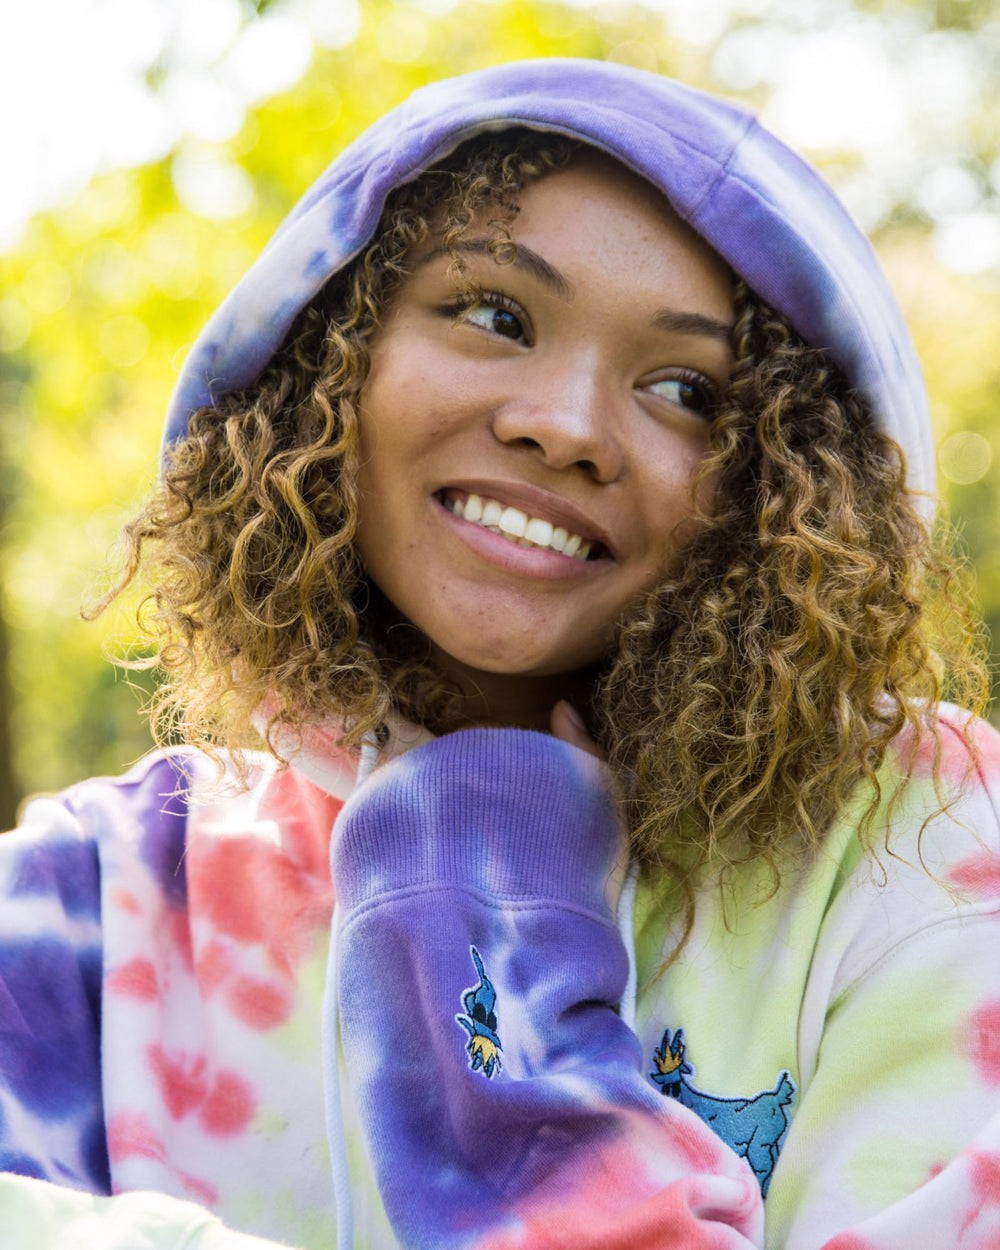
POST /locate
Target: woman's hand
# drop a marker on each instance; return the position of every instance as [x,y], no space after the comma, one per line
[568,724]
[403,735]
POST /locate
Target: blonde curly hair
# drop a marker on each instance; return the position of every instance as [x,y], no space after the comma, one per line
[811,617]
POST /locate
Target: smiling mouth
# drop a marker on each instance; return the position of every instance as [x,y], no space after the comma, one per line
[519,527]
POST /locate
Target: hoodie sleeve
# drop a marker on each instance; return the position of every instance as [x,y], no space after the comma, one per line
[480,975]
[51,1124]
[54,1175]
[42,1216]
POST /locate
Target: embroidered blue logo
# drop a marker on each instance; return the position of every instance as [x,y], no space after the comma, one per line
[480,1022]
[753,1127]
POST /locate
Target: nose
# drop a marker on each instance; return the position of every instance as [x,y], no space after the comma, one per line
[568,418]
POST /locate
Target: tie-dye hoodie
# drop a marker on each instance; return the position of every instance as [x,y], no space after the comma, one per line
[414,1007]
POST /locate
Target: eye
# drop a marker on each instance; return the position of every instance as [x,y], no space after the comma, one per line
[691,391]
[496,314]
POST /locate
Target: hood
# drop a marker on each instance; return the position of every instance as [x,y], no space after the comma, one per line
[764,209]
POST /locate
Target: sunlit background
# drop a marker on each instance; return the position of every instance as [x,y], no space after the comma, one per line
[149,148]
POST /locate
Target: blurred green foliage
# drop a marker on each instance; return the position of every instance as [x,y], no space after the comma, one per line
[101,298]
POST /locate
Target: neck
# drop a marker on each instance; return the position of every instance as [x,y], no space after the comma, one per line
[508,700]
[515,701]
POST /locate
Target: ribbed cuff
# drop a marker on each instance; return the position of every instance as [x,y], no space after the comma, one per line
[515,814]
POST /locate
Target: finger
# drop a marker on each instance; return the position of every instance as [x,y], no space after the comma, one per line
[568,725]
[404,735]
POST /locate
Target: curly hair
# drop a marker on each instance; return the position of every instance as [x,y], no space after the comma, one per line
[814,618]
[810,618]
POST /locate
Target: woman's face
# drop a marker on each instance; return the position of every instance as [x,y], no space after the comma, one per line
[570,406]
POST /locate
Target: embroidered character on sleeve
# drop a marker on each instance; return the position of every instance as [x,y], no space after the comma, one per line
[753,1127]
[480,1022]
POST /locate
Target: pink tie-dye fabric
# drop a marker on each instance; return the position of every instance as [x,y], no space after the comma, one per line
[162,972]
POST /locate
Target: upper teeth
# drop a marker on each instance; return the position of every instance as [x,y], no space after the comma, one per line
[528,531]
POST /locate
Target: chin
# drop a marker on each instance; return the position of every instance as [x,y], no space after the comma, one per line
[509,663]
[525,652]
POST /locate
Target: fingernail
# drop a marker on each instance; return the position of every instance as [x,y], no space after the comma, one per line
[574,715]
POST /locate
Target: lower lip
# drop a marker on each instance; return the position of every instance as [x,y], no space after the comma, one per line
[524,561]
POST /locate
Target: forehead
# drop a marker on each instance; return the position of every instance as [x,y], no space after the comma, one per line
[591,227]
[595,192]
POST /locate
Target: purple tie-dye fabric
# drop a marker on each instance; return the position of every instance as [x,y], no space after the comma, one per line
[455,889]
[162,963]
[763,208]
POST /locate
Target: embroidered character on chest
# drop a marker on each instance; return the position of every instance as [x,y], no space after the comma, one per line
[480,1022]
[753,1127]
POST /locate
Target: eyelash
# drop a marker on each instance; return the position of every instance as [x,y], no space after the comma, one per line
[499,302]
[708,389]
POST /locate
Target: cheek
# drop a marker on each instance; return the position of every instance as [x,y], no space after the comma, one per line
[669,509]
[672,471]
[706,490]
[402,416]
[389,437]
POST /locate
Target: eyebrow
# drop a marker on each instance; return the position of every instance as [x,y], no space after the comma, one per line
[529,261]
[524,258]
[692,323]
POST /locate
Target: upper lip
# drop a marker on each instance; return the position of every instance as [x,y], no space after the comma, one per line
[536,502]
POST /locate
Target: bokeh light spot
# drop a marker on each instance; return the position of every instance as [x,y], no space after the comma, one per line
[968,242]
[746,57]
[123,341]
[965,457]
[634,52]
[947,189]
[324,109]
[111,273]
[46,287]
[211,186]
[17,399]
[401,36]
[333,25]
[838,90]
[268,56]
[109,201]
[169,254]
[206,108]
[15,324]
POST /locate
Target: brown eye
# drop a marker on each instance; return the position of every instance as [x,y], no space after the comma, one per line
[693,394]
[495,315]
[506,324]
[692,397]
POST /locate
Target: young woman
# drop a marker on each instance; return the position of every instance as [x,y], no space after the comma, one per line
[550,501]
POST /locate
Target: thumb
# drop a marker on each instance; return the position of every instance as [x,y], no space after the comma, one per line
[568,725]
